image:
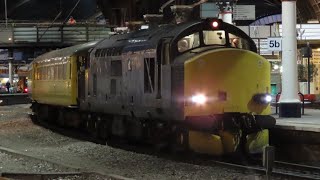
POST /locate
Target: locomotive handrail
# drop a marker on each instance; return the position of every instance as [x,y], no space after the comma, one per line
[302,102]
[277,99]
[299,93]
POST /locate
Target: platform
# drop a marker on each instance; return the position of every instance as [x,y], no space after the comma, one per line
[11,99]
[310,121]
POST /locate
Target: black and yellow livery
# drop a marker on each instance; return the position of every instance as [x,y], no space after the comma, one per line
[195,85]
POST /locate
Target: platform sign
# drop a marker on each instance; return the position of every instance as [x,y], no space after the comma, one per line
[209,10]
[275,44]
[4,54]
[244,12]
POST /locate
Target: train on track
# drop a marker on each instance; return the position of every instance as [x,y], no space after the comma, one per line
[197,85]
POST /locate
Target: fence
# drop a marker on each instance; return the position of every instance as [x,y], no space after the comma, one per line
[52,33]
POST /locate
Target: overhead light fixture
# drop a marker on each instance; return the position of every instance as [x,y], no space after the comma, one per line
[312,21]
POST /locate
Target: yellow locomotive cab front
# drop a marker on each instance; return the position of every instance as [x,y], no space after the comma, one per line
[221,86]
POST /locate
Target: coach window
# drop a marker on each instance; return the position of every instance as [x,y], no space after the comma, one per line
[189,42]
[60,71]
[39,75]
[69,64]
[64,69]
[44,73]
[48,73]
[38,71]
[56,71]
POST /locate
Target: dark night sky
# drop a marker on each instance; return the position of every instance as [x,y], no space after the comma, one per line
[47,9]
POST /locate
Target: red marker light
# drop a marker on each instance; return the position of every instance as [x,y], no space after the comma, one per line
[215,24]
[26,90]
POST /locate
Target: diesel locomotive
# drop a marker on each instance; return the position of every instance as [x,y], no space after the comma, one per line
[197,85]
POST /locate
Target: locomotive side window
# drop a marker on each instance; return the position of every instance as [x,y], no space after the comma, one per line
[214,37]
[189,42]
[238,42]
[149,74]
[116,68]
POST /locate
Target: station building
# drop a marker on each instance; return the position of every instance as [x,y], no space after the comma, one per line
[22,43]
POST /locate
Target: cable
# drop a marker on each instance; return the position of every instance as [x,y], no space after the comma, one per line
[58,15]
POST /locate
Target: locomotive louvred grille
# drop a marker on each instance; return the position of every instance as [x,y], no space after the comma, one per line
[177,81]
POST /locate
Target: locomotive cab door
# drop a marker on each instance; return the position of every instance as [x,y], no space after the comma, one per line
[164,72]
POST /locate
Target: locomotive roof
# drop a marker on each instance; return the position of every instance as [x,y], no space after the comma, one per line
[149,38]
[66,52]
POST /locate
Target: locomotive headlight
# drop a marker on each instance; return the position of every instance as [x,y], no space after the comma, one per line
[199,99]
[268,98]
[262,98]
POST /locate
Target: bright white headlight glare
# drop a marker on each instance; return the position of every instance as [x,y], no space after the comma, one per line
[199,99]
[268,98]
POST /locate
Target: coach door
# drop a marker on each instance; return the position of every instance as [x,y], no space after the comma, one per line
[82,66]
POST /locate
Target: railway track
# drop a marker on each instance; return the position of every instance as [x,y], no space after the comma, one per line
[70,172]
[280,170]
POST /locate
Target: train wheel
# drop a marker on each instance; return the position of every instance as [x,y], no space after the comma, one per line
[42,112]
[52,115]
[103,129]
[35,113]
[160,136]
[61,118]
[179,140]
[92,126]
[95,127]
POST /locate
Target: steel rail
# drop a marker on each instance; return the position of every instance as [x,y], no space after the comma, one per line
[282,169]
[71,170]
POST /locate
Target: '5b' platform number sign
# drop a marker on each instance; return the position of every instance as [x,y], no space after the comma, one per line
[274,44]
